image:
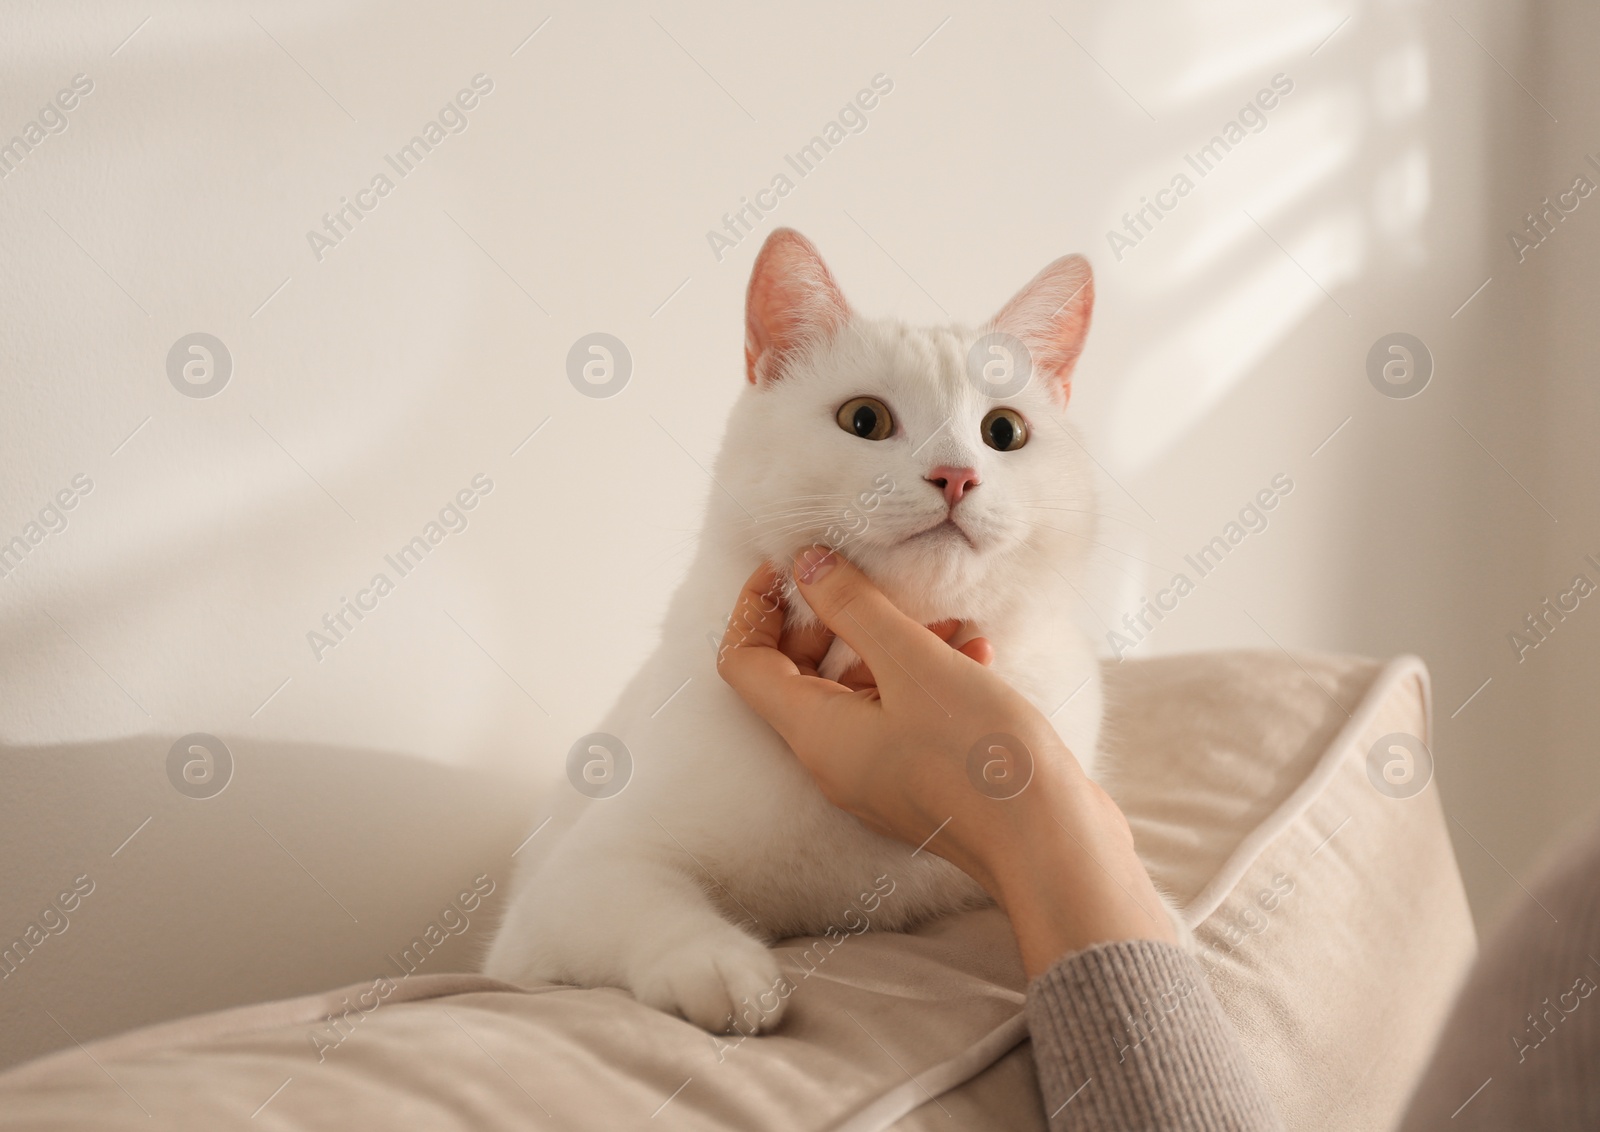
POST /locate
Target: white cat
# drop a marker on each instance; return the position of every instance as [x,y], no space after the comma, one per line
[878,438]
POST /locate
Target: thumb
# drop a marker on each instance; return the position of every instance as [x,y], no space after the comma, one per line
[893,645]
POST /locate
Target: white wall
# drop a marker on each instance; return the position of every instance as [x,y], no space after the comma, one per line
[371,386]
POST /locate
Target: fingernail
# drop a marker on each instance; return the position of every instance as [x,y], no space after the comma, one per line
[814,564]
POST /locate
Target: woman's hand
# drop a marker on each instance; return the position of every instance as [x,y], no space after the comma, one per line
[942,753]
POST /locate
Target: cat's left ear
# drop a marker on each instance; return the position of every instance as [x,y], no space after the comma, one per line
[1051,318]
[793,303]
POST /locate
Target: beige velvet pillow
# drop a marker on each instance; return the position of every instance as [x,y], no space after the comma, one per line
[1331,919]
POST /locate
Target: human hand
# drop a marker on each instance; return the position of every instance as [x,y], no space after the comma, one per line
[858,676]
[907,755]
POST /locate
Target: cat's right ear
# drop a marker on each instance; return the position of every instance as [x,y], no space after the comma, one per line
[792,303]
[1051,317]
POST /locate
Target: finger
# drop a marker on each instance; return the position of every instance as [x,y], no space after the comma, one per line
[749,649]
[859,676]
[775,687]
[779,693]
[758,615]
[892,644]
[753,665]
[806,645]
[980,649]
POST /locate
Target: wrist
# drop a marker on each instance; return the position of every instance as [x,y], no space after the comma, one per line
[1062,866]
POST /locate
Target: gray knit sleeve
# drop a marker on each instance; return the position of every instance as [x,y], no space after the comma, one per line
[1127,1036]
[1522,1046]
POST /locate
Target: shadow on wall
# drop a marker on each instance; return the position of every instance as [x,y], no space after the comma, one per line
[1453,534]
[253,870]
[1371,196]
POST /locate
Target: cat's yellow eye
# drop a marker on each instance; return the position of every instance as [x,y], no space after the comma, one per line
[866,417]
[1004,430]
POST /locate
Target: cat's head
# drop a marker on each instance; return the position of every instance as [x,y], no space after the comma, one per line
[935,458]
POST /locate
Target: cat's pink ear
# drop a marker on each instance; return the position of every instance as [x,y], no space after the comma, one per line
[792,303]
[1051,317]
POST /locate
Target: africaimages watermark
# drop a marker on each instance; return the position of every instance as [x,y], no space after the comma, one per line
[1252,520]
[1539,225]
[851,119]
[336,1029]
[1546,1024]
[53,921]
[451,519]
[1233,931]
[51,519]
[854,518]
[51,120]
[1252,117]
[857,919]
[1541,623]
[452,118]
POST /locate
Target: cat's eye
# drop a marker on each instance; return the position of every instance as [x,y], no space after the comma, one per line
[866,417]
[1004,430]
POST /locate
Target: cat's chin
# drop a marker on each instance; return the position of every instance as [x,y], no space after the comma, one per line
[931,576]
[939,572]
[947,533]
[916,586]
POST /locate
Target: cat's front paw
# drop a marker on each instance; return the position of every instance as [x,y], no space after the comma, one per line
[727,983]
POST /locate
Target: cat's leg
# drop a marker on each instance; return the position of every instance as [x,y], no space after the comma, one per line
[628,917]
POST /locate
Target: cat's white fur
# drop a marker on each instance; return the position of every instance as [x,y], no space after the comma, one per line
[720,842]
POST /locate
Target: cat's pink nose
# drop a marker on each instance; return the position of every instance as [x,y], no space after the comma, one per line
[954,482]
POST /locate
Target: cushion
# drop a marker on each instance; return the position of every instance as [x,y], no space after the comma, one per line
[1328,914]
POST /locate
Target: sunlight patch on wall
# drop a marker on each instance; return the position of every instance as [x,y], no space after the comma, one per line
[1402,192]
[1176,383]
[1315,145]
[1400,83]
[1272,230]
[1253,46]
[1174,53]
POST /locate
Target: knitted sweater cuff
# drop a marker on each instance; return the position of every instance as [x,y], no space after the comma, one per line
[1129,1036]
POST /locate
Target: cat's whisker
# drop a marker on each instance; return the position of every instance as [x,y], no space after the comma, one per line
[813,495]
[842,497]
[804,513]
[818,508]
[778,532]
[770,536]
[820,502]
[828,514]
[791,521]
[787,520]
[821,520]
